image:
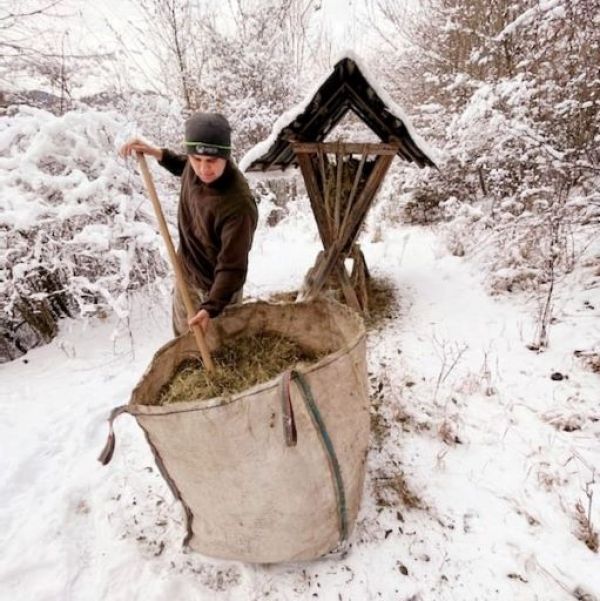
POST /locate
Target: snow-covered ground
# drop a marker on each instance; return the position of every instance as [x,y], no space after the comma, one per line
[478,460]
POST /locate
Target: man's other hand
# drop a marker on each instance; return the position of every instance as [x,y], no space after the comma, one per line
[202,319]
[135,145]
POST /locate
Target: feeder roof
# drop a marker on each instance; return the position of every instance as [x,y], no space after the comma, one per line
[348,87]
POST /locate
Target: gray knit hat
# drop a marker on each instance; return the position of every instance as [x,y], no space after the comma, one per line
[208,134]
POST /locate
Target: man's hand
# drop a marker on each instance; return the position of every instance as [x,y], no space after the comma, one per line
[202,319]
[135,145]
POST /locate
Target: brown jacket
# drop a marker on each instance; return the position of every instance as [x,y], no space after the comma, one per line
[216,226]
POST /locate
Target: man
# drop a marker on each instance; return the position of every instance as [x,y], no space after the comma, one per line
[216,219]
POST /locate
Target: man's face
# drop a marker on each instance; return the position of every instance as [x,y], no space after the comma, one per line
[207,168]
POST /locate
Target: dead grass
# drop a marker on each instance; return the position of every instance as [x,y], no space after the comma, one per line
[581,595]
[447,432]
[380,424]
[383,303]
[391,491]
[380,427]
[242,363]
[591,360]
[586,533]
[283,297]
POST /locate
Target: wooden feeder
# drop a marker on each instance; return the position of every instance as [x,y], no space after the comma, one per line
[341,178]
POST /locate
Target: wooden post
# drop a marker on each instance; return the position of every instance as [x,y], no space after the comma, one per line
[339,158]
[339,231]
[359,171]
[347,289]
[315,197]
[350,228]
[359,278]
[323,173]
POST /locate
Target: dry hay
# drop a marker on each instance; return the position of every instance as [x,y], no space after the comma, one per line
[383,303]
[349,170]
[392,490]
[586,533]
[283,297]
[591,359]
[240,364]
[383,300]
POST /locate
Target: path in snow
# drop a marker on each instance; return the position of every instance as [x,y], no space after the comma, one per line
[478,427]
[473,477]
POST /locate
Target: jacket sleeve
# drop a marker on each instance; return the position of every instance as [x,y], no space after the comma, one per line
[173,162]
[232,262]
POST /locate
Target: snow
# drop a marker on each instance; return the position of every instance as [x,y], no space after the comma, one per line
[483,464]
[393,107]
[95,235]
[554,8]
[469,420]
[69,205]
[286,118]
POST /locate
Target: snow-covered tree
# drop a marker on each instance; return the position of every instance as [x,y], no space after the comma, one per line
[77,236]
[509,92]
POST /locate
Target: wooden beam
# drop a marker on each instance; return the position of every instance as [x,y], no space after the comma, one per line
[349,293]
[336,101]
[316,198]
[325,189]
[339,163]
[346,147]
[359,171]
[359,278]
[351,226]
[322,271]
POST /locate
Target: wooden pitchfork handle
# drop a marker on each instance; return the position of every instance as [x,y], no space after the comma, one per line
[179,277]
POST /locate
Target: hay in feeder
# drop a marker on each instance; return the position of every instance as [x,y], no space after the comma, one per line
[242,363]
[349,171]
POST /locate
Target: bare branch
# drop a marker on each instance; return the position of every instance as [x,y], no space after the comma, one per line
[39,11]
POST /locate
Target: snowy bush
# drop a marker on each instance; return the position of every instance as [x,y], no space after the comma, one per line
[522,249]
[508,96]
[76,233]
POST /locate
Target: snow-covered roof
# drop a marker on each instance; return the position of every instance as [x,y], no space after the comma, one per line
[349,87]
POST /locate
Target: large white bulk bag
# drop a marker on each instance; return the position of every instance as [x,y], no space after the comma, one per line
[274,473]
